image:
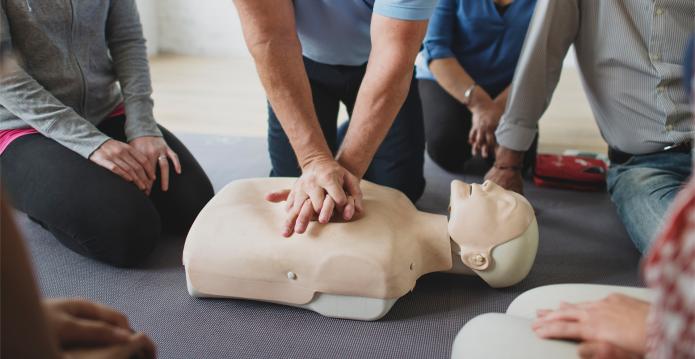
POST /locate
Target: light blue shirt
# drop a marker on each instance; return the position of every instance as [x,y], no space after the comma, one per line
[336,32]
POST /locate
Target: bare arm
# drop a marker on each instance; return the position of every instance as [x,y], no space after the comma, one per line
[26,333]
[501,99]
[271,36]
[452,77]
[395,43]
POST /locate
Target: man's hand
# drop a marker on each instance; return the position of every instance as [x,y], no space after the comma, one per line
[486,117]
[507,169]
[123,160]
[618,320]
[324,187]
[156,150]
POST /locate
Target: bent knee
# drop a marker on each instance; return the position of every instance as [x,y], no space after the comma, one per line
[126,239]
[449,157]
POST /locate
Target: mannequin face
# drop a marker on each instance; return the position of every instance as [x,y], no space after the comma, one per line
[497,203]
[484,216]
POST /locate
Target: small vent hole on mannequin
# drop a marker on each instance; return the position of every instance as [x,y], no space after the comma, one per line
[411,266]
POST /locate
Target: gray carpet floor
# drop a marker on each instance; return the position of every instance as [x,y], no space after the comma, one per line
[582,241]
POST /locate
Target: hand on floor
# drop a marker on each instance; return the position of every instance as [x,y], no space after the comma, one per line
[507,169]
[89,330]
[618,320]
[325,188]
[506,178]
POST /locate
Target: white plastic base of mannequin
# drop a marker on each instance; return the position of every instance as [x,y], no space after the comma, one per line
[329,305]
[364,308]
[509,335]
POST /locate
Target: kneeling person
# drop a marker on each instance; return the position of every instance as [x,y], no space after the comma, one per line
[634,85]
[80,150]
[312,55]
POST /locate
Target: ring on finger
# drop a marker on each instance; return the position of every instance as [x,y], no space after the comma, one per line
[162,158]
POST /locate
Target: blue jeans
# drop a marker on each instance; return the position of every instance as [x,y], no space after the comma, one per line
[642,190]
[398,162]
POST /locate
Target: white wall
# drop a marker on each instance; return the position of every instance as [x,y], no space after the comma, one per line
[150,25]
[204,27]
[207,27]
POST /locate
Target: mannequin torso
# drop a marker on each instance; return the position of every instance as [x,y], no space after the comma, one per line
[235,249]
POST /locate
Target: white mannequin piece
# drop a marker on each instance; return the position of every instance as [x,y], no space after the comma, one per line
[509,335]
[357,269]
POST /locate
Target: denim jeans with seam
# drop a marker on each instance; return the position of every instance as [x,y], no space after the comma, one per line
[642,190]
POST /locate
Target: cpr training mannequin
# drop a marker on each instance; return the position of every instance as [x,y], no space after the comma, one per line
[356,269]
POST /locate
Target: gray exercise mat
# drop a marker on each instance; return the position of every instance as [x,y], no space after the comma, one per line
[582,240]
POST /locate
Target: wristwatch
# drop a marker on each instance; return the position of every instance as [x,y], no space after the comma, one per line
[468,94]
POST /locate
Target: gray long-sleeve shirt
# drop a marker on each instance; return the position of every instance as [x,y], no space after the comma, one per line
[74,62]
[630,53]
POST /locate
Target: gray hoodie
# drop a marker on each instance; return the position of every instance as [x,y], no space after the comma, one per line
[74,62]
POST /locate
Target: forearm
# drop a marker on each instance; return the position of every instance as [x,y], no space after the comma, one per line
[26,332]
[129,53]
[452,77]
[552,30]
[270,34]
[383,91]
[501,99]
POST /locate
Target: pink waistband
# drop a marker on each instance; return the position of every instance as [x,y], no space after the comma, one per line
[7,136]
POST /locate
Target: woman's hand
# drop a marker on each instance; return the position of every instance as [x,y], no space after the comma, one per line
[123,160]
[618,320]
[89,330]
[156,150]
[486,117]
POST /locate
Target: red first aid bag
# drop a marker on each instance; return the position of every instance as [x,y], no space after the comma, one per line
[570,172]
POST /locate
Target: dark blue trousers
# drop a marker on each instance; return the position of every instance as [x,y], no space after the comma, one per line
[398,163]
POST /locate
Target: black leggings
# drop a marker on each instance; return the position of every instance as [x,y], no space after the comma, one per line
[91,210]
[447,124]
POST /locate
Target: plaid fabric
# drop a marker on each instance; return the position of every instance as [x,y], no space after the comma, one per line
[670,270]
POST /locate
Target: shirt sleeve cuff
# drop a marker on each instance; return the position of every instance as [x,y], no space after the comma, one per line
[433,52]
[86,147]
[515,136]
[140,121]
[405,9]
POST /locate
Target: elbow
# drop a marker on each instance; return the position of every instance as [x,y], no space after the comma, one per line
[266,43]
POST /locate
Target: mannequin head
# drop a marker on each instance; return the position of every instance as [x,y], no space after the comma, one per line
[495,231]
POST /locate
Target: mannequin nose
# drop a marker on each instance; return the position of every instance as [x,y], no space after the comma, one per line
[488,185]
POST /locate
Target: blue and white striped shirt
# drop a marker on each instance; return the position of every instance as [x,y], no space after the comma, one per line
[630,53]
